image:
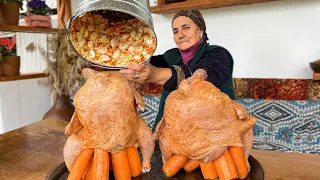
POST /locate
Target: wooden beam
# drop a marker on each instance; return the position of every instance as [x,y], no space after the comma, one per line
[67,10]
[27,29]
[23,76]
[200,4]
[64,12]
[60,11]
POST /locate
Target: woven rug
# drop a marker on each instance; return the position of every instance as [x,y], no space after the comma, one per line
[288,126]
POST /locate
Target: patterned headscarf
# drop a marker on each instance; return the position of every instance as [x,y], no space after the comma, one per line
[196,17]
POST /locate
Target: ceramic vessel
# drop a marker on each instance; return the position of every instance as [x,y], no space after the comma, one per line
[315,66]
[10,66]
[9,13]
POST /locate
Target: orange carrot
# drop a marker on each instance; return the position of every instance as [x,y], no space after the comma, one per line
[208,170]
[120,164]
[86,171]
[225,166]
[79,166]
[174,164]
[100,165]
[191,165]
[90,172]
[134,161]
[239,160]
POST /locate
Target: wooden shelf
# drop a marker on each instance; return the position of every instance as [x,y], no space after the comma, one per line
[316,76]
[23,76]
[199,4]
[27,29]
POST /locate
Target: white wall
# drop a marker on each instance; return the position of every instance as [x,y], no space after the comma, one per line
[33,61]
[267,40]
[21,103]
[24,102]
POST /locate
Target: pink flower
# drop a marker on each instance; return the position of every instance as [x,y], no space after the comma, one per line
[12,43]
[5,42]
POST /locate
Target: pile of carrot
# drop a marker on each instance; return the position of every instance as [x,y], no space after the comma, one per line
[95,164]
[231,165]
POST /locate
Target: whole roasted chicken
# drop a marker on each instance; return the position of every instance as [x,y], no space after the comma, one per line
[201,123]
[106,118]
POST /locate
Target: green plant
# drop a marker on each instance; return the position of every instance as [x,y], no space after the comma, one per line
[20,2]
[39,7]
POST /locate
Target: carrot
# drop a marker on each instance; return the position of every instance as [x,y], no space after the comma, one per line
[90,172]
[86,171]
[239,160]
[225,166]
[100,165]
[120,164]
[191,165]
[174,164]
[79,166]
[134,161]
[208,170]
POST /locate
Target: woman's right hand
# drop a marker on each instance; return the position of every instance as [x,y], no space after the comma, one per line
[143,73]
[146,73]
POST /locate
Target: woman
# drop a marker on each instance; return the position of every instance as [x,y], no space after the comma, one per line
[192,52]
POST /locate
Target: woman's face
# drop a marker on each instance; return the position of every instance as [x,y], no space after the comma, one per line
[185,32]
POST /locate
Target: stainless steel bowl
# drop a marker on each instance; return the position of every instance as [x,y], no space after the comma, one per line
[120,9]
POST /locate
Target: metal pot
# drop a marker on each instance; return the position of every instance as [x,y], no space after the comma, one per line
[120,9]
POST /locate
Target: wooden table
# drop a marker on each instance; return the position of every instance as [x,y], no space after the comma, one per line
[33,151]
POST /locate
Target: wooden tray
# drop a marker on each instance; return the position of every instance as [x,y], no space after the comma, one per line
[256,173]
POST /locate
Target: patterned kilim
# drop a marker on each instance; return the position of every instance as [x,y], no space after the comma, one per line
[292,126]
[271,89]
[289,126]
[150,113]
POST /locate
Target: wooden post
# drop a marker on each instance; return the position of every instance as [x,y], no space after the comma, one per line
[64,12]
[160,3]
[67,10]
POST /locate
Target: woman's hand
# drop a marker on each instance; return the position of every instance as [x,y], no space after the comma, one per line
[146,73]
[139,73]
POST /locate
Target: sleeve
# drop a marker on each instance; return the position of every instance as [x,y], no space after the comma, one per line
[158,61]
[217,62]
